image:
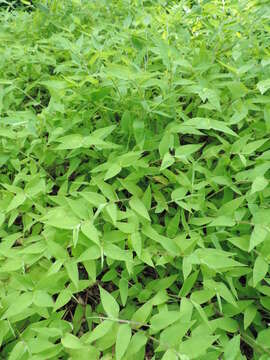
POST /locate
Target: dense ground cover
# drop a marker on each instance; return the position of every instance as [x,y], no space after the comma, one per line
[134,182]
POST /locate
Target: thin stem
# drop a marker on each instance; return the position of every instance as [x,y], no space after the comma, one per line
[121,321]
[250,341]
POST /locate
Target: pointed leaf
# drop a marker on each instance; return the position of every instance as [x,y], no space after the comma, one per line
[138,206]
[260,270]
[109,303]
[122,340]
[89,230]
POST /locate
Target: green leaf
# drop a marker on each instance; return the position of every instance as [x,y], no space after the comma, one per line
[258,235]
[187,150]
[188,284]
[251,147]
[61,218]
[222,221]
[22,303]
[173,334]
[137,342]
[260,270]
[249,315]
[163,320]
[73,272]
[215,259]
[197,345]
[35,187]
[232,348]
[89,230]
[207,124]
[228,209]
[16,201]
[75,235]
[2,219]
[72,141]
[202,296]
[70,341]
[262,338]
[99,331]
[62,299]
[167,243]
[178,194]
[122,340]
[237,89]
[93,198]
[259,184]
[42,299]
[138,206]
[226,324]
[164,145]
[92,253]
[18,351]
[121,72]
[109,303]
[102,133]
[263,85]
[141,315]
[136,241]
[113,170]
[221,290]
[173,225]
[170,355]
[202,313]
[114,252]
[167,161]
[112,211]
[123,287]
[147,198]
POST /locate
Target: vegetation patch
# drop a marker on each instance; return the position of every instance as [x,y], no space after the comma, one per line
[134,181]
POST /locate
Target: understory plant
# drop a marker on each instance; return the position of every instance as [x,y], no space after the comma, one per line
[134,180]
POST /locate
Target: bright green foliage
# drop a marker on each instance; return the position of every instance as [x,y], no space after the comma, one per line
[134,182]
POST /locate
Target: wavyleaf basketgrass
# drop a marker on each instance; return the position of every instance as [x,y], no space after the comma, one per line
[134,182]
